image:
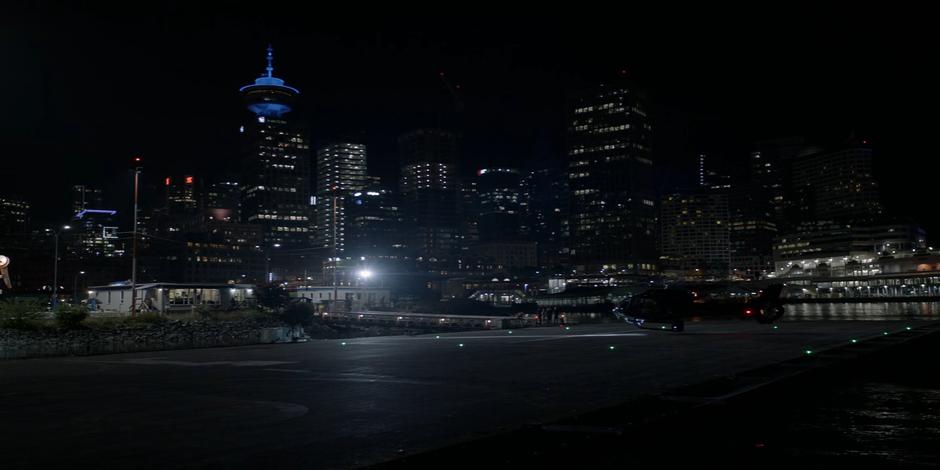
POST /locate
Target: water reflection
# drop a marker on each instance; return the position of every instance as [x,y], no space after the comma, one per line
[864,311]
[873,424]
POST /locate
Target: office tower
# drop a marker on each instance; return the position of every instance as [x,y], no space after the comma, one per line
[86,197]
[429,194]
[341,171]
[695,233]
[545,206]
[610,174]
[836,185]
[500,205]
[223,200]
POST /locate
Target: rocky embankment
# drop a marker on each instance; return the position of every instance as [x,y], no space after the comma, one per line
[171,334]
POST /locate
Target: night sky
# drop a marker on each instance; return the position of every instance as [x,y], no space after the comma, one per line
[85,88]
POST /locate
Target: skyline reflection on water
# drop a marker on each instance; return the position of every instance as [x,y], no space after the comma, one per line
[864,311]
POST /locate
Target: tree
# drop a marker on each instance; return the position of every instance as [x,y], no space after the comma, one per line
[297,313]
[271,296]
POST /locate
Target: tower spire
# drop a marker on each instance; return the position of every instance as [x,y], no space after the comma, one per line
[270,67]
[268,95]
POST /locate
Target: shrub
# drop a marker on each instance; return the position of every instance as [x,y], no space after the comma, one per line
[104,323]
[152,318]
[22,315]
[70,317]
[204,312]
[297,314]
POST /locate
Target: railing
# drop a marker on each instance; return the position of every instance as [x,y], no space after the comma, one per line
[424,320]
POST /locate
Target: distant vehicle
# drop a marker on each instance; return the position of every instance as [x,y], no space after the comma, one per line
[672,306]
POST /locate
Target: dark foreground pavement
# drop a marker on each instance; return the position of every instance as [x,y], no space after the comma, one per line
[343,403]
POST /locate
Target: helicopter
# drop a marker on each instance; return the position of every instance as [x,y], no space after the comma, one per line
[670,307]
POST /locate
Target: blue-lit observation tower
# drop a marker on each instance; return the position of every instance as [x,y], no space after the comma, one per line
[276,171]
[269,96]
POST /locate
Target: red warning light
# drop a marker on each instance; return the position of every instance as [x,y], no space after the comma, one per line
[189,180]
[166,181]
[748,312]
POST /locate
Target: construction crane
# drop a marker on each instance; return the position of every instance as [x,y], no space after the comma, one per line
[458,103]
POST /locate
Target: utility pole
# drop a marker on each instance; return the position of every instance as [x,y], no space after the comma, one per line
[335,254]
[137,169]
[55,267]
[55,272]
[75,287]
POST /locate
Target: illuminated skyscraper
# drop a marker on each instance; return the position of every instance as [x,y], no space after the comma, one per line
[695,234]
[341,171]
[86,197]
[500,204]
[373,226]
[181,194]
[429,194]
[223,200]
[837,185]
[610,174]
[94,230]
[14,216]
[276,178]
[545,206]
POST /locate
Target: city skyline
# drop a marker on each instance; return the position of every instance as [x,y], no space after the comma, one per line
[704,97]
[283,234]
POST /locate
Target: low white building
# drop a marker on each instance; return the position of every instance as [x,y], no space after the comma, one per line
[357,298]
[169,297]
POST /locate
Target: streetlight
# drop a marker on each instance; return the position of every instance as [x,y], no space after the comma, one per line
[268,273]
[137,170]
[55,265]
[364,274]
[75,287]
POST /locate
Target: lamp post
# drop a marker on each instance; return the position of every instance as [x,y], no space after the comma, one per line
[55,266]
[75,287]
[137,169]
[268,273]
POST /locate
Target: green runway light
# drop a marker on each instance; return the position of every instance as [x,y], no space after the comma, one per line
[775,327]
[510,331]
[907,328]
[568,328]
[808,351]
[662,327]
[343,343]
[854,341]
[437,337]
[611,348]
[885,333]
[460,345]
